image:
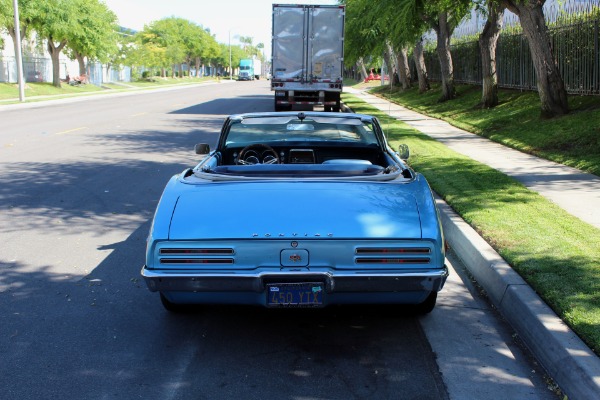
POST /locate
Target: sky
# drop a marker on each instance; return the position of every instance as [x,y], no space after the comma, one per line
[236,17]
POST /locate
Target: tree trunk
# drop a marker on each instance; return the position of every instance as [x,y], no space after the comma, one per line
[188,62]
[197,67]
[488,40]
[444,30]
[403,67]
[551,87]
[80,62]
[388,56]
[54,55]
[421,67]
[363,70]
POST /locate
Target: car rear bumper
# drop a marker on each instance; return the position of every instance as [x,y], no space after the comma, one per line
[425,280]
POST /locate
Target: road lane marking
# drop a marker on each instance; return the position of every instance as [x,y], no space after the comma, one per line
[71,130]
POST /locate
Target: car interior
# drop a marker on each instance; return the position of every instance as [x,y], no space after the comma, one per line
[299,146]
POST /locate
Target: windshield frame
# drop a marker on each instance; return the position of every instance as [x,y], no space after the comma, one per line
[319,128]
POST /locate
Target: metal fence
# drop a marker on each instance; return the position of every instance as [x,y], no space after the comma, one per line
[40,70]
[574,29]
[34,70]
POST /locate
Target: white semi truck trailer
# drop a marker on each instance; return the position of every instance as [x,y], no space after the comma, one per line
[307,55]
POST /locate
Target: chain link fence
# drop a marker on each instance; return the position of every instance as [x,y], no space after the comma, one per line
[40,70]
[34,70]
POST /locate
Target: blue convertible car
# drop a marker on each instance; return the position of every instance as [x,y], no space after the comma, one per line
[297,209]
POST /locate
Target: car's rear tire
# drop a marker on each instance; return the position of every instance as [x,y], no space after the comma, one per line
[427,306]
[172,307]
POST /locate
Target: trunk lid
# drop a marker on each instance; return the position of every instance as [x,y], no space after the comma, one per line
[296,210]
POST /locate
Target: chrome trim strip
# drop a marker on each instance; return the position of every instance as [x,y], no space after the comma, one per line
[335,281]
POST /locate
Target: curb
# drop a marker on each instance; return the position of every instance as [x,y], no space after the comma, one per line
[566,358]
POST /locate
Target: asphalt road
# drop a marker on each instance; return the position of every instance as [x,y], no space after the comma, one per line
[79,182]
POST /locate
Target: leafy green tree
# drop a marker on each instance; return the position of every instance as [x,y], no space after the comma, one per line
[205,48]
[443,16]
[412,18]
[374,29]
[27,12]
[248,47]
[55,21]
[171,42]
[365,33]
[220,60]
[96,36]
[260,48]
[149,52]
[124,41]
[165,34]
[235,53]
[399,24]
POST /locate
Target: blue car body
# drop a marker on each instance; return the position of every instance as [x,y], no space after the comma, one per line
[297,210]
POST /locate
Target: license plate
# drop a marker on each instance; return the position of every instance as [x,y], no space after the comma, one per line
[306,294]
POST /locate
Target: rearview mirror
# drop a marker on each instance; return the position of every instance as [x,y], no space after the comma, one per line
[202,148]
[403,151]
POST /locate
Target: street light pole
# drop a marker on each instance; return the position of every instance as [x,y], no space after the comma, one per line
[18,53]
[230,69]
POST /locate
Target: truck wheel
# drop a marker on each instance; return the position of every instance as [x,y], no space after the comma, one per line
[283,107]
[338,106]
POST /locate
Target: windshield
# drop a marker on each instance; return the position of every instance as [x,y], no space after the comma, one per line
[291,129]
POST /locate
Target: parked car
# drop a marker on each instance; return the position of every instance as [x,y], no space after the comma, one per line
[297,209]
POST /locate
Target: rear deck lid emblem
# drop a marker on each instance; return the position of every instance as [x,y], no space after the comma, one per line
[294,258]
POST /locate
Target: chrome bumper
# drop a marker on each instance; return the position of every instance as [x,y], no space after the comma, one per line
[335,281]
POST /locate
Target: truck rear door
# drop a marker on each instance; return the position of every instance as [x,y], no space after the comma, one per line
[325,43]
[289,49]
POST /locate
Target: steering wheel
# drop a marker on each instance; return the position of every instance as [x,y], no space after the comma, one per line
[258,153]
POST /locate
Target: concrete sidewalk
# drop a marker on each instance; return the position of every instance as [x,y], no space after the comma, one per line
[574,367]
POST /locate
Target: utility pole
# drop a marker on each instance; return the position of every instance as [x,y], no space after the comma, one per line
[18,53]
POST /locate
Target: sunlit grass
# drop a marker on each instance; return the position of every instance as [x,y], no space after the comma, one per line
[9,92]
[573,139]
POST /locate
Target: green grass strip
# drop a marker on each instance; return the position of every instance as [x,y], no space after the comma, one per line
[9,92]
[572,140]
[556,253]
